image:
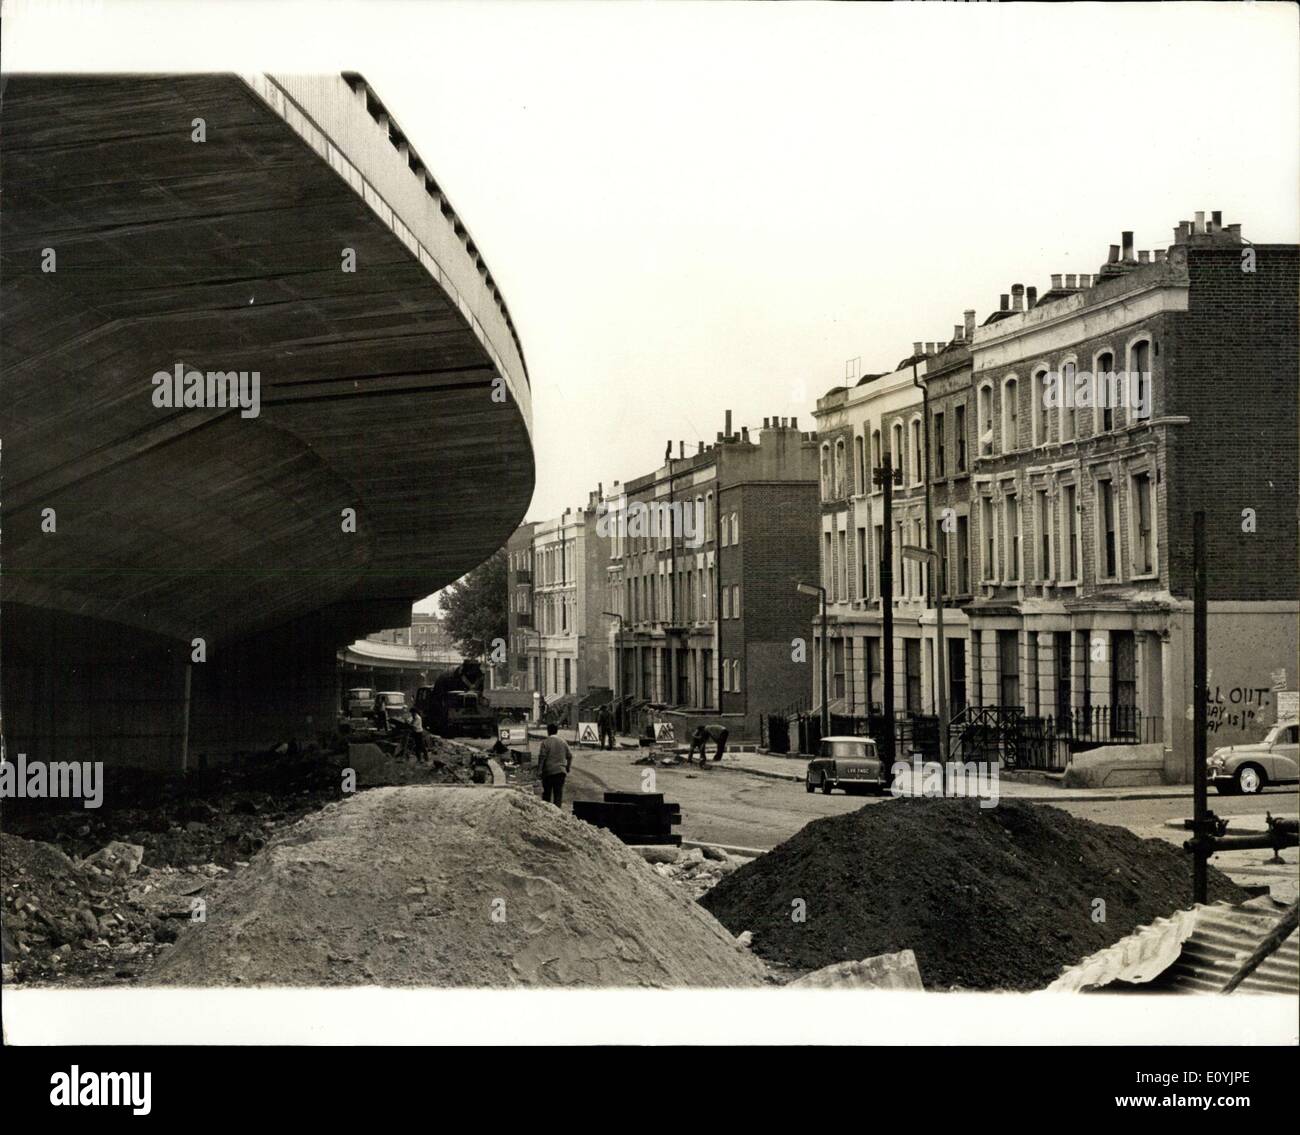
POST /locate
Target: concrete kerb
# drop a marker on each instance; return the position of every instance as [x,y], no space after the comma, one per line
[745,852]
[1040,795]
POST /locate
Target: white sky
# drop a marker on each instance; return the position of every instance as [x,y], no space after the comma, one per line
[691,207]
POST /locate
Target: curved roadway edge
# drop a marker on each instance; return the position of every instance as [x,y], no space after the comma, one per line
[344,121]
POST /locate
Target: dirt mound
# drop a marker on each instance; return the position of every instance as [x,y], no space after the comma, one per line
[996,898]
[452,887]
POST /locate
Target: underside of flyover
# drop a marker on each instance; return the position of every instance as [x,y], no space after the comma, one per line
[128,247]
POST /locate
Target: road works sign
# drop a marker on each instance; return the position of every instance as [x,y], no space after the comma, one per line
[664,731]
[587,733]
[513,734]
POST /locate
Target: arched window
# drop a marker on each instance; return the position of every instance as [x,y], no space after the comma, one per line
[859,460]
[918,473]
[875,449]
[1038,409]
[1105,392]
[984,422]
[839,467]
[1139,379]
[708,516]
[896,458]
[826,472]
[1010,416]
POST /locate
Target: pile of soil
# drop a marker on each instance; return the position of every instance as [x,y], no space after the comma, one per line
[988,898]
[452,887]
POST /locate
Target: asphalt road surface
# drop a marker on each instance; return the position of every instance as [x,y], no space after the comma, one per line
[738,809]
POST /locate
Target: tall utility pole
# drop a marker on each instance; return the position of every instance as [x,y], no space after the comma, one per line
[1201,822]
[887,477]
[929,521]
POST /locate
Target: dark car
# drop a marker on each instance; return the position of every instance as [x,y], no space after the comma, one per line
[850,763]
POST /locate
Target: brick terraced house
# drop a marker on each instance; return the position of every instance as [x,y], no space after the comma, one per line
[1072,437]
[710,607]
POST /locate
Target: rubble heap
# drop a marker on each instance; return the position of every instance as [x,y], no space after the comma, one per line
[92,895]
[452,887]
[988,898]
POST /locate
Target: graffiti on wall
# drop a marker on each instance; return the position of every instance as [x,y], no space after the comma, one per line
[1236,707]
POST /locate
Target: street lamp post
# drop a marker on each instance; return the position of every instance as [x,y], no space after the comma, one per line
[930,558]
[815,589]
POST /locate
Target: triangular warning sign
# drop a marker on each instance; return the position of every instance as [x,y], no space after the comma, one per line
[587,733]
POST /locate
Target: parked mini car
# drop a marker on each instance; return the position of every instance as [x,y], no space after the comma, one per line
[1249,768]
[850,763]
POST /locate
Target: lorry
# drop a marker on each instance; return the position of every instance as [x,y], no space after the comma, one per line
[456,704]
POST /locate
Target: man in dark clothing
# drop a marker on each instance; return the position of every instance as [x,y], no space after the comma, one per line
[553,763]
[700,738]
[605,724]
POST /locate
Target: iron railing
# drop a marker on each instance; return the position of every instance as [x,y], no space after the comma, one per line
[1005,735]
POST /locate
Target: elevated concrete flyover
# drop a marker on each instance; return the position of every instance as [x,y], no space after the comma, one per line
[210,223]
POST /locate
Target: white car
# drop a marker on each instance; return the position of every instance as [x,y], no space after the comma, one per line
[1249,768]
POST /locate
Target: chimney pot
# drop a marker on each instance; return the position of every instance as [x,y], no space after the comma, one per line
[969,318]
[1085,281]
[1070,279]
[939,348]
[728,429]
[794,423]
[1056,281]
[681,448]
[1235,230]
[1126,239]
[1114,254]
[1006,302]
[1200,221]
[1144,257]
[765,422]
[916,348]
[956,332]
[1160,255]
[744,433]
[1216,218]
[929,348]
[1031,297]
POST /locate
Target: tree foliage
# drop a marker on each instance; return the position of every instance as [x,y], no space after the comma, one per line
[474,607]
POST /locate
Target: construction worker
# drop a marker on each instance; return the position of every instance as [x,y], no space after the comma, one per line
[554,760]
[701,737]
[605,724]
[417,735]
